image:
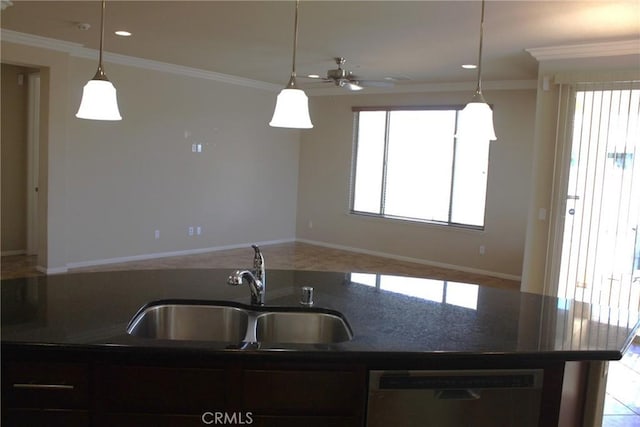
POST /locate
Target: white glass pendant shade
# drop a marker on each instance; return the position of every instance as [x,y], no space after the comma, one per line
[476,118]
[292,110]
[99,101]
[476,122]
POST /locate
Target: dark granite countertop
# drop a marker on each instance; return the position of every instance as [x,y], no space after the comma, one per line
[90,311]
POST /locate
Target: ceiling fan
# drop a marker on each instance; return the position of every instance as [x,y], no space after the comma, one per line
[346,79]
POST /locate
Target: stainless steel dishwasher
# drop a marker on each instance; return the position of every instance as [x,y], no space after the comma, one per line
[461,398]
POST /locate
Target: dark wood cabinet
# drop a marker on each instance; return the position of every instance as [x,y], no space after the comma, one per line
[254,395]
[143,389]
[134,394]
[280,397]
[38,393]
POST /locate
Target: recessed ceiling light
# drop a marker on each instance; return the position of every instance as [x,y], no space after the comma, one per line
[123,33]
[469,66]
[313,76]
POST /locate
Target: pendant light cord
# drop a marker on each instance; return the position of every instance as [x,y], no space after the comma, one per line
[100,73]
[292,80]
[479,82]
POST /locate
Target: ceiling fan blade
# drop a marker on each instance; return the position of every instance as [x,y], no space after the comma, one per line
[352,85]
[314,77]
[375,83]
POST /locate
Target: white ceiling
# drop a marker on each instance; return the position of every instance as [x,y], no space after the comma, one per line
[423,41]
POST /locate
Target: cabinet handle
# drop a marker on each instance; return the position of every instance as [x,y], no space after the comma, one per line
[457,394]
[44,386]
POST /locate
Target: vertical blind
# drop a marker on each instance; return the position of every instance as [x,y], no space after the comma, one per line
[600,261]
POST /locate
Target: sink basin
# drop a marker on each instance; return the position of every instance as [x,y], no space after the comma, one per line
[201,322]
[236,323]
[301,327]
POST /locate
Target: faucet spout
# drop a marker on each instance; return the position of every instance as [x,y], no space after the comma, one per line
[255,285]
[258,265]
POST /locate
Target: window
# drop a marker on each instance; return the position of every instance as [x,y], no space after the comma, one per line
[409,165]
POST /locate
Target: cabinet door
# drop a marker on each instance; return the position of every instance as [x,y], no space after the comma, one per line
[148,420]
[180,391]
[321,393]
[308,421]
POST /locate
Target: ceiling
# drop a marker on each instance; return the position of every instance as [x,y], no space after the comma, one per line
[412,41]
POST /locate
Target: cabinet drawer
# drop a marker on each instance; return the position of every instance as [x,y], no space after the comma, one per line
[274,392]
[49,418]
[163,390]
[45,385]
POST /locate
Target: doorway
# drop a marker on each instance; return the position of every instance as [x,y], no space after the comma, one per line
[597,246]
[33,161]
[20,161]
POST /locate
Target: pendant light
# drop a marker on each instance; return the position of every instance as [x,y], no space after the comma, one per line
[292,104]
[99,101]
[477,116]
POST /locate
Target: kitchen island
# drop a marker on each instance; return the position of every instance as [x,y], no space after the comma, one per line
[67,358]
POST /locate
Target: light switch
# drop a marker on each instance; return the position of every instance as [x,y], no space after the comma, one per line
[542,214]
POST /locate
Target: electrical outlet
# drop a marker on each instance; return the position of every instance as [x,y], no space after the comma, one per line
[157,234]
[481,250]
[310,224]
[198,230]
[190,231]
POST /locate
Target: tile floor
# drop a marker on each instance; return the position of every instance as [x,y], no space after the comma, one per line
[298,256]
[622,403]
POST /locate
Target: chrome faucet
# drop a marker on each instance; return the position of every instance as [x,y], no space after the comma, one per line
[258,265]
[256,278]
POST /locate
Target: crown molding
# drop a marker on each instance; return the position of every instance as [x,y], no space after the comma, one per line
[428,87]
[149,64]
[590,50]
[38,41]
[79,51]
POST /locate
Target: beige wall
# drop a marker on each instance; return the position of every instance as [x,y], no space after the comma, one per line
[111,185]
[127,179]
[323,191]
[14,159]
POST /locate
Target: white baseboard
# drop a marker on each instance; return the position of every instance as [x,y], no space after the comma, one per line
[413,260]
[145,257]
[16,252]
[54,270]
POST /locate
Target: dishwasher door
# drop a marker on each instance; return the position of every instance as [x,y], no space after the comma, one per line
[461,398]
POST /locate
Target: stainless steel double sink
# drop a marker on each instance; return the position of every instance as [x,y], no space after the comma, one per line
[236,323]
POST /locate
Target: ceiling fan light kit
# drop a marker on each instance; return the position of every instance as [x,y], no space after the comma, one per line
[292,104]
[476,119]
[99,99]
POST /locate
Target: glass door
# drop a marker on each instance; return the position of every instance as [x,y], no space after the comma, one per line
[600,261]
